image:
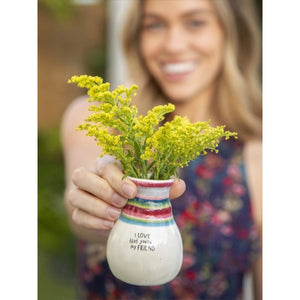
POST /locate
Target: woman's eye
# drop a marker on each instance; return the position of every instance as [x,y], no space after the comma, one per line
[153,26]
[195,23]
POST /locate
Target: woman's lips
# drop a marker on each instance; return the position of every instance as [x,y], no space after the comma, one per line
[179,70]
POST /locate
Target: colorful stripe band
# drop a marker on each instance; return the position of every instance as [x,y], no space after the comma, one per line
[146,203]
[148,212]
[152,183]
[138,212]
[148,222]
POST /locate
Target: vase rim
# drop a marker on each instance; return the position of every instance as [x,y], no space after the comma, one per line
[152,182]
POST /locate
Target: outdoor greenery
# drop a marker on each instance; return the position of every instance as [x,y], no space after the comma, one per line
[60,9]
[56,243]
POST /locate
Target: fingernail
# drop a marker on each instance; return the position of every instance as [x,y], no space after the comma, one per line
[118,200]
[114,212]
[107,224]
[129,190]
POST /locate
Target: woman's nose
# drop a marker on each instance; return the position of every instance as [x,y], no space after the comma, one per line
[175,40]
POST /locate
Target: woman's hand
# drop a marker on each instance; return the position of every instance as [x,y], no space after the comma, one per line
[100,194]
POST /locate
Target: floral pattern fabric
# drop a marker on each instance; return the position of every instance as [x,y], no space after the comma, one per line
[220,240]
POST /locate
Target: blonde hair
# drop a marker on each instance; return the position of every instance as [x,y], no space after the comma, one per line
[238,96]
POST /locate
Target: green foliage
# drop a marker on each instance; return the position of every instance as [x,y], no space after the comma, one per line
[60,9]
[55,281]
[142,145]
[54,236]
[95,61]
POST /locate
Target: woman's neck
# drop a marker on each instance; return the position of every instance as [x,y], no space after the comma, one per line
[197,109]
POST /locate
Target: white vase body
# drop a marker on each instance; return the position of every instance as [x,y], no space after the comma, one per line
[145,246]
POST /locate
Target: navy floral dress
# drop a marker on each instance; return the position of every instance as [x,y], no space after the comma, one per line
[220,240]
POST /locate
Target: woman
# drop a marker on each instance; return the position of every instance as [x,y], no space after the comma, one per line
[203,56]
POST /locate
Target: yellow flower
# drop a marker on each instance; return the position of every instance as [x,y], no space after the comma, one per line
[140,143]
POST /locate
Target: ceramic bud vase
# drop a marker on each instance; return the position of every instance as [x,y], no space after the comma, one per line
[144,246]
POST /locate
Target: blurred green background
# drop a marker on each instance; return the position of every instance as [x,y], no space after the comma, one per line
[66,46]
[71,40]
[56,249]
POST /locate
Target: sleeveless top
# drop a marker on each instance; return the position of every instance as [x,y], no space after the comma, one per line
[220,240]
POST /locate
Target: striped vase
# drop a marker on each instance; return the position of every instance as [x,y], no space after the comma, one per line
[144,246]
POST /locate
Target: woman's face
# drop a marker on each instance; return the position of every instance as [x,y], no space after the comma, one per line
[181,43]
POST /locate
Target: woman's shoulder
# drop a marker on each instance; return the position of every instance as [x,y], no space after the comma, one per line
[75,114]
[75,110]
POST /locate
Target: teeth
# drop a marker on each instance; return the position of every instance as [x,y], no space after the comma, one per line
[176,68]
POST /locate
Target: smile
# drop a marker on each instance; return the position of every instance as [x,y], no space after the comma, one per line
[179,68]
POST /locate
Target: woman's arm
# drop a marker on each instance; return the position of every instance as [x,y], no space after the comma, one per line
[253,158]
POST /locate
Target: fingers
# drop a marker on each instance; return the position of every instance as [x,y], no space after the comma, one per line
[92,205]
[99,194]
[90,211]
[92,183]
[89,221]
[109,170]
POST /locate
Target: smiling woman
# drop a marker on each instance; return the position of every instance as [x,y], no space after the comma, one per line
[173,60]
[202,56]
[181,44]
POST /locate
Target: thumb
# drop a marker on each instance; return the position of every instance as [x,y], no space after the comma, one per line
[177,189]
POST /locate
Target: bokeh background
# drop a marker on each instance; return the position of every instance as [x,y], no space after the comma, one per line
[71,40]
[74,37]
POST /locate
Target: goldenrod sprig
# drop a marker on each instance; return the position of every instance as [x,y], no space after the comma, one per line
[144,148]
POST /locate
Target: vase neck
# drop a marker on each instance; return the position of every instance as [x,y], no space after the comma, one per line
[151,207]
